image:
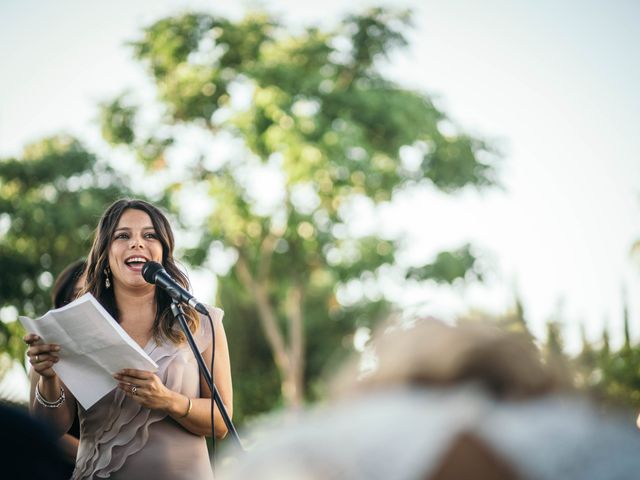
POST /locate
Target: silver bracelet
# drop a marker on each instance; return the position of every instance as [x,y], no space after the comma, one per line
[46,403]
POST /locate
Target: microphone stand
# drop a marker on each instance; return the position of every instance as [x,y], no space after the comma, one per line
[178,314]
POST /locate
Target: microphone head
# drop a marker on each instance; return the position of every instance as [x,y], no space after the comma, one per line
[149,271]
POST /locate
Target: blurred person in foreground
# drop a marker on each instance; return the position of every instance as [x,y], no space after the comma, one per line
[153,424]
[445,403]
[29,450]
[65,289]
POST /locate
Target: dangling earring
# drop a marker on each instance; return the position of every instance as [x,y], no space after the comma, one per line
[107,282]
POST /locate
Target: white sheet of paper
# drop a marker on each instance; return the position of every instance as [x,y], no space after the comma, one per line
[92,347]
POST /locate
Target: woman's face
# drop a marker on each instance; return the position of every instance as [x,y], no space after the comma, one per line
[134,242]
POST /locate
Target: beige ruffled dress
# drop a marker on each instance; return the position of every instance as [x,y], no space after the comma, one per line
[119,439]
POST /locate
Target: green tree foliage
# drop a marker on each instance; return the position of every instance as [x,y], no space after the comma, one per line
[50,202]
[611,375]
[322,115]
[614,375]
[449,267]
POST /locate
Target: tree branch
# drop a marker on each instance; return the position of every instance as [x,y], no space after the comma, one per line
[266,253]
[265,314]
[296,333]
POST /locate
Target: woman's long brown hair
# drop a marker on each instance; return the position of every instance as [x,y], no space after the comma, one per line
[98,262]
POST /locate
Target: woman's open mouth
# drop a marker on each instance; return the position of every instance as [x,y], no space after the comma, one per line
[135,263]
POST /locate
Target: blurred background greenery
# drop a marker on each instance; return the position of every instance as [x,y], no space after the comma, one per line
[317,130]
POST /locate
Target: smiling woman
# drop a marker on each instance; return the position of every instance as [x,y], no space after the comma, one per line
[130,233]
[153,424]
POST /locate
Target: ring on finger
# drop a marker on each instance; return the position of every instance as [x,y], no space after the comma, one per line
[134,389]
[37,358]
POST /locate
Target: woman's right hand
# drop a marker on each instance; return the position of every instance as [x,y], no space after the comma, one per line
[42,356]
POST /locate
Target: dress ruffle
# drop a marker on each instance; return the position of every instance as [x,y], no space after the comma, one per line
[124,429]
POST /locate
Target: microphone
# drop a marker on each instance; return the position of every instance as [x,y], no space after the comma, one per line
[155,274]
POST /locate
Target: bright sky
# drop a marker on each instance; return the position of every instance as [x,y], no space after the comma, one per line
[553,84]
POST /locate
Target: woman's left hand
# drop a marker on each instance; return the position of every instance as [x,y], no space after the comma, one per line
[146,388]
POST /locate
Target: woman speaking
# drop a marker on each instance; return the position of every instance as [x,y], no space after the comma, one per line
[153,425]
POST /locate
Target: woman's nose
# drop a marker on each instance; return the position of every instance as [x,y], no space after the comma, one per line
[135,242]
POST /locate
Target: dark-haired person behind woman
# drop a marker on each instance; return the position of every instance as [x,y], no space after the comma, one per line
[153,425]
[65,289]
[68,283]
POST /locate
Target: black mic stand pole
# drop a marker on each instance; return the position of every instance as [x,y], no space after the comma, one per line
[178,314]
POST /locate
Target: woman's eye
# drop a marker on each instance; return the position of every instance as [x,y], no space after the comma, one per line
[151,235]
[122,235]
